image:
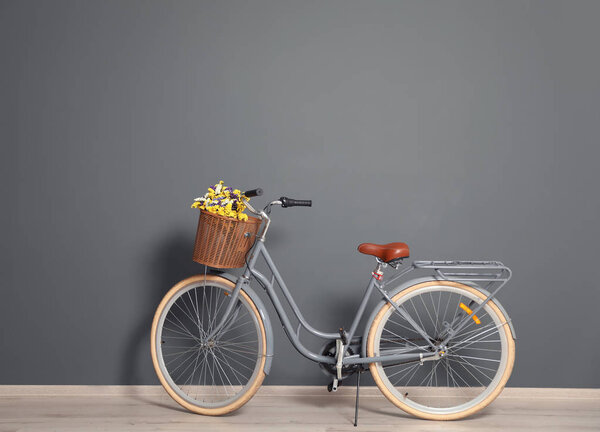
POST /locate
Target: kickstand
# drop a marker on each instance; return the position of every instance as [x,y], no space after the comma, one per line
[357,389]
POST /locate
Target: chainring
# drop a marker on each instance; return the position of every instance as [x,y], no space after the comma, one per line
[330,369]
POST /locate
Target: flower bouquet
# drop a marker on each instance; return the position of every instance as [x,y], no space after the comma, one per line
[225,233]
[223,200]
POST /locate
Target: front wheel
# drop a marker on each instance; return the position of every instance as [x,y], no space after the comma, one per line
[208,376]
[476,363]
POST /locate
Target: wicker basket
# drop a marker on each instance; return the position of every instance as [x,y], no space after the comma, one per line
[222,242]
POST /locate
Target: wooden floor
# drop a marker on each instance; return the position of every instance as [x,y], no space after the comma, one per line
[280,408]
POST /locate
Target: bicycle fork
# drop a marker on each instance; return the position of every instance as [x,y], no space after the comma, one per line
[226,320]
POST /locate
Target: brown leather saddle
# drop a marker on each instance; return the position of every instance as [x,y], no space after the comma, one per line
[386,252]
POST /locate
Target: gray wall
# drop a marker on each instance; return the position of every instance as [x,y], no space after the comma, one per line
[466,129]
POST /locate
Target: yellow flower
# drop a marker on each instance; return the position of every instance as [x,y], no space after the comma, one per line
[221,199]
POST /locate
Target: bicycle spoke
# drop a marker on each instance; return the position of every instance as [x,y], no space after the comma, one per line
[412,376]
[418,317]
[189,317]
[196,314]
[236,371]
[433,371]
[200,375]
[470,348]
[402,365]
[218,305]
[241,364]
[237,326]
[477,367]
[175,337]
[184,329]
[243,335]
[461,364]
[407,371]
[222,370]
[238,351]
[403,326]
[406,340]
[180,352]
[471,326]
[428,314]
[446,308]
[461,336]
[187,334]
[190,356]
[195,368]
[484,332]
[182,372]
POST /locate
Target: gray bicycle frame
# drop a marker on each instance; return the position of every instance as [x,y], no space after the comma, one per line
[493,272]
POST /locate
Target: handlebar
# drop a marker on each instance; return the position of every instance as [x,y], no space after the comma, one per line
[254,192]
[283,201]
[289,202]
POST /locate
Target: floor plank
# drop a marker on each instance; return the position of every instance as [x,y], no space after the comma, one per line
[280,408]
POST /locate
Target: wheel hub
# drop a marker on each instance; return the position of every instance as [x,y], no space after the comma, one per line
[208,344]
[442,350]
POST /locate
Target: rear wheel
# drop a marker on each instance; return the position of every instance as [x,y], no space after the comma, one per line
[476,363]
[208,376]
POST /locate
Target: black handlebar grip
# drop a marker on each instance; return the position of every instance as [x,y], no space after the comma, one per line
[254,192]
[289,202]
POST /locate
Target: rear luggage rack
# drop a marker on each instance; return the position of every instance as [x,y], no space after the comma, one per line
[474,271]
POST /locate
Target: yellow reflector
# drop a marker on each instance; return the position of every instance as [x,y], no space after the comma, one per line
[468,310]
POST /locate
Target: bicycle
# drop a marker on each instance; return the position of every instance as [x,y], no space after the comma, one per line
[439,347]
